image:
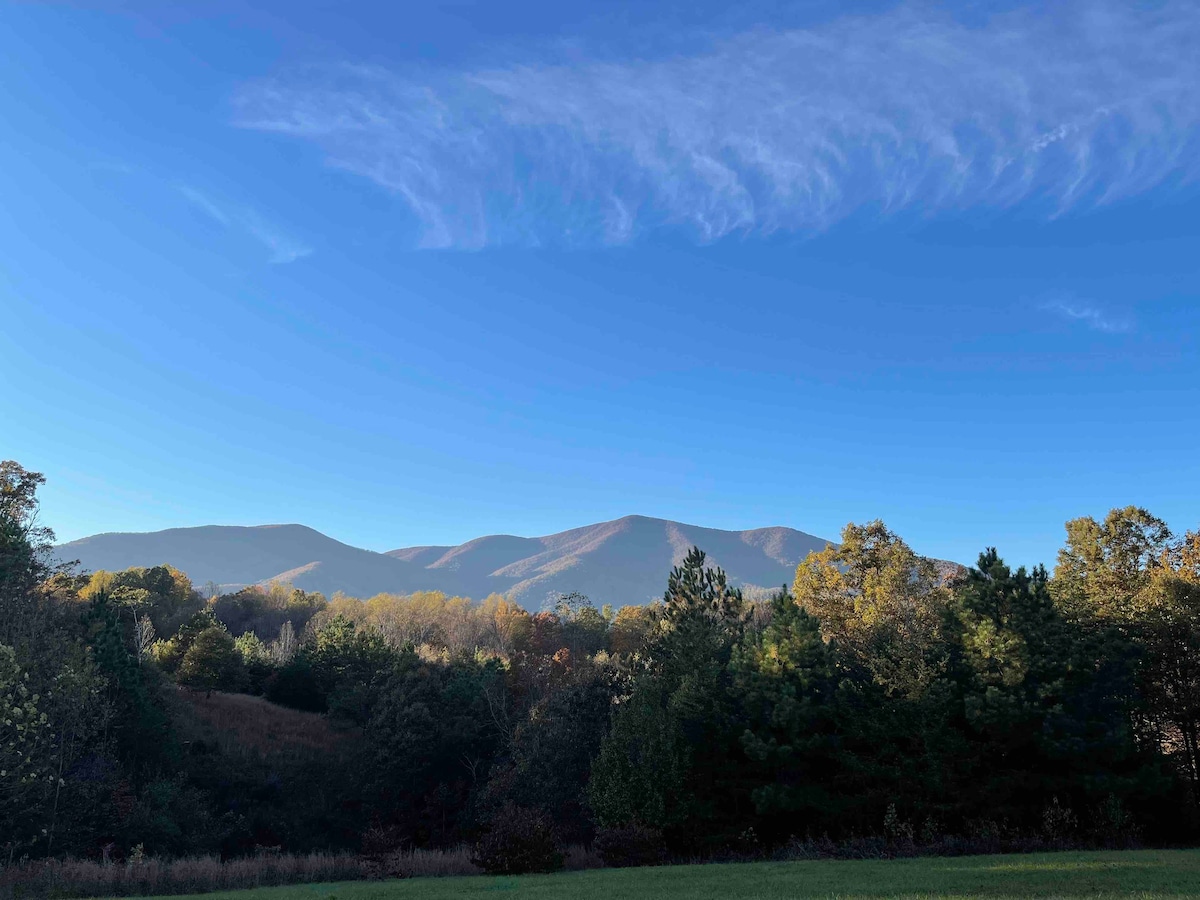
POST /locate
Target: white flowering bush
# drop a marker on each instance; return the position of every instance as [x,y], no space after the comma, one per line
[25,736]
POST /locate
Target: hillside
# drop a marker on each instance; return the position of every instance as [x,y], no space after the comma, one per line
[239,725]
[620,562]
[234,556]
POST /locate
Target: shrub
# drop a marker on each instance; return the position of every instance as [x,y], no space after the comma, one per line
[212,662]
[631,844]
[1058,822]
[295,685]
[1113,825]
[518,840]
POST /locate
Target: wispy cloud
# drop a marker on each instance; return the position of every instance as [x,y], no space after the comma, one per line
[1088,314]
[206,206]
[281,247]
[907,110]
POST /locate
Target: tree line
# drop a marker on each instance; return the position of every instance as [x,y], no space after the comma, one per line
[879,697]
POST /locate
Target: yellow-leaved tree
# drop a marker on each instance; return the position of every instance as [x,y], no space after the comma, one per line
[881,603]
[1129,574]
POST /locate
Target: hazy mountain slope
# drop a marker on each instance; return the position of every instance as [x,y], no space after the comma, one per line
[623,561]
[631,554]
[481,557]
[422,555]
[619,562]
[239,555]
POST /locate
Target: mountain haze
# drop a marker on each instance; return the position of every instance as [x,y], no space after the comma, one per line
[620,562]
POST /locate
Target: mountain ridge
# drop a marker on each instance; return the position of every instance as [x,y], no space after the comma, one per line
[622,561]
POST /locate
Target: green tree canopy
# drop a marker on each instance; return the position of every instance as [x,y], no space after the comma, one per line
[211,662]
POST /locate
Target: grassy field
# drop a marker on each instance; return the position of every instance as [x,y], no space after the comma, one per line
[240,724]
[1143,874]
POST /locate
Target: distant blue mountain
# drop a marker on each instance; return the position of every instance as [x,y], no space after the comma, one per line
[620,562]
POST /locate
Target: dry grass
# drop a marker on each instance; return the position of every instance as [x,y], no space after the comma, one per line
[429,863]
[577,857]
[457,861]
[240,723]
[84,878]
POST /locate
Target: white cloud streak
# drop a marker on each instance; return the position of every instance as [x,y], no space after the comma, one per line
[1093,317]
[281,248]
[206,206]
[1064,108]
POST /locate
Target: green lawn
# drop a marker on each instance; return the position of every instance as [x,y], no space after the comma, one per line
[1143,873]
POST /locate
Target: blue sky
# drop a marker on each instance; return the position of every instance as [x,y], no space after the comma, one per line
[413,273]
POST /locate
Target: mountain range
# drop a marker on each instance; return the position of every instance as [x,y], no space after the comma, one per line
[621,562]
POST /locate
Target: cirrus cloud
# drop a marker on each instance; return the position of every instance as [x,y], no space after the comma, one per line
[282,247]
[1075,310]
[770,129]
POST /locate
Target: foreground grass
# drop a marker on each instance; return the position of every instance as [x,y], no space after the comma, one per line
[1142,873]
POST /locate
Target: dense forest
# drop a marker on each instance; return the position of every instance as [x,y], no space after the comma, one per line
[878,698]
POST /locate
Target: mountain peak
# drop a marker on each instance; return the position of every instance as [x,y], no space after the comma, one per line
[622,561]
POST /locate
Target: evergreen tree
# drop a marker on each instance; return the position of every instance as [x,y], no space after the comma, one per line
[789,688]
[671,760]
[140,728]
[1045,703]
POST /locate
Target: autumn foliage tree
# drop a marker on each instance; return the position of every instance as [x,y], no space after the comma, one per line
[1128,576]
[886,702]
[882,603]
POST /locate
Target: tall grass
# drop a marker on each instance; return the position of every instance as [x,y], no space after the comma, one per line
[417,863]
[242,724]
[67,878]
[200,874]
[85,878]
